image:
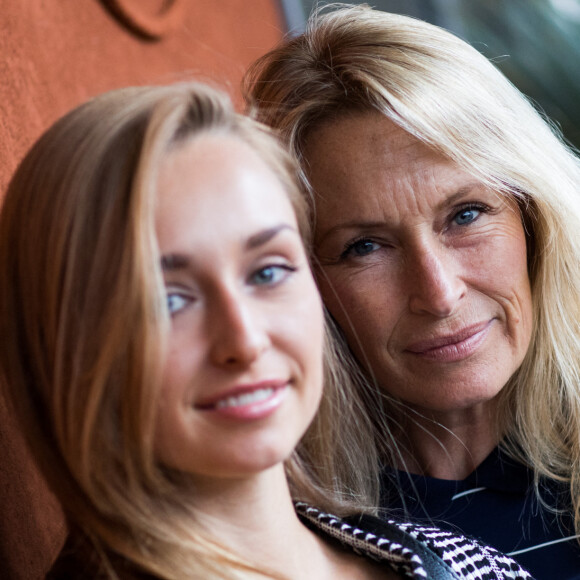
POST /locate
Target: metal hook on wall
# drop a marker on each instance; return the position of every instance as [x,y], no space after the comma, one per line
[150,26]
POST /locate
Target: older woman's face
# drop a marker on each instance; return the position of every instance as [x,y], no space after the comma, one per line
[422,266]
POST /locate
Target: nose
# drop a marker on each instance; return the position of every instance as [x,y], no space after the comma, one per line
[238,333]
[435,286]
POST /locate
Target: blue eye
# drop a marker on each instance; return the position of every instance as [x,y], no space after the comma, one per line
[466,216]
[271,275]
[175,303]
[361,247]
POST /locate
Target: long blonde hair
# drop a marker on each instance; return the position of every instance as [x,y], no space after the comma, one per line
[83,323]
[445,93]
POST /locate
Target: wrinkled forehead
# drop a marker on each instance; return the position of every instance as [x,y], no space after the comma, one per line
[355,146]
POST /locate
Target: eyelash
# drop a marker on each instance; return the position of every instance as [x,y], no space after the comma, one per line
[479,207]
[349,247]
[288,269]
[186,299]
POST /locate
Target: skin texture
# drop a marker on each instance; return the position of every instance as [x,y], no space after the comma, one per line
[425,271]
[242,299]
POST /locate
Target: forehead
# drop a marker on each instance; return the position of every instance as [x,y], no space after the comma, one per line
[366,136]
[217,185]
[364,160]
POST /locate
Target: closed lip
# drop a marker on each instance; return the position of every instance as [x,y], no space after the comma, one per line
[433,343]
[239,390]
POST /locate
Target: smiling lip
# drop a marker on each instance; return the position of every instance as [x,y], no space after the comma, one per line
[454,347]
[247,402]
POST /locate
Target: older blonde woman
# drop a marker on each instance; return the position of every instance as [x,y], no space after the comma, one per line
[447,240]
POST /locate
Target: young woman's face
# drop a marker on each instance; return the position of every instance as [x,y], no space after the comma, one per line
[243,375]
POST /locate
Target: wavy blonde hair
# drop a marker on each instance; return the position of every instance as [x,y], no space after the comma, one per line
[83,323]
[445,93]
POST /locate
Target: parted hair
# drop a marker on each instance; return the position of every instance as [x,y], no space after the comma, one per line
[84,322]
[448,95]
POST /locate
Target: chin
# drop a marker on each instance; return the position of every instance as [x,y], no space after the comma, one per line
[243,463]
[456,403]
[242,471]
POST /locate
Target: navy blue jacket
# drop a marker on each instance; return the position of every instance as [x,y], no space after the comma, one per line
[496,504]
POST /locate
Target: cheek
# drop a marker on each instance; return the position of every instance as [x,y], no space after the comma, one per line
[180,365]
[183,369]
[501,272]
[506,269]
[306,327]
[363,304]
[522,296]
[173,434]
[311,324]
[168,434]
[343,294]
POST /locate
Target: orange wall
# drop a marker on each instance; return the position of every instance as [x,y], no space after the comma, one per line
[55,54]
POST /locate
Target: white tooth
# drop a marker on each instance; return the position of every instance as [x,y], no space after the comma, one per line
[263,394]
[245,399]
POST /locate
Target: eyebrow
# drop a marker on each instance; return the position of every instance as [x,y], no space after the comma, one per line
[462,191]
[175,262]
[265,236]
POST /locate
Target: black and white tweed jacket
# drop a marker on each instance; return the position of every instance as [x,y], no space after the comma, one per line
[413,550]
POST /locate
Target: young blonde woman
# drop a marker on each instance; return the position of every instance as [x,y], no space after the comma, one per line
[447,239]
[163,349]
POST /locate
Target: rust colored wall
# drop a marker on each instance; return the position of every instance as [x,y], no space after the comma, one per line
[55,54]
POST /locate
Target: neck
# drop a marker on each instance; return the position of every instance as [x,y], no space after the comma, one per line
[447,445]
[255,518]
